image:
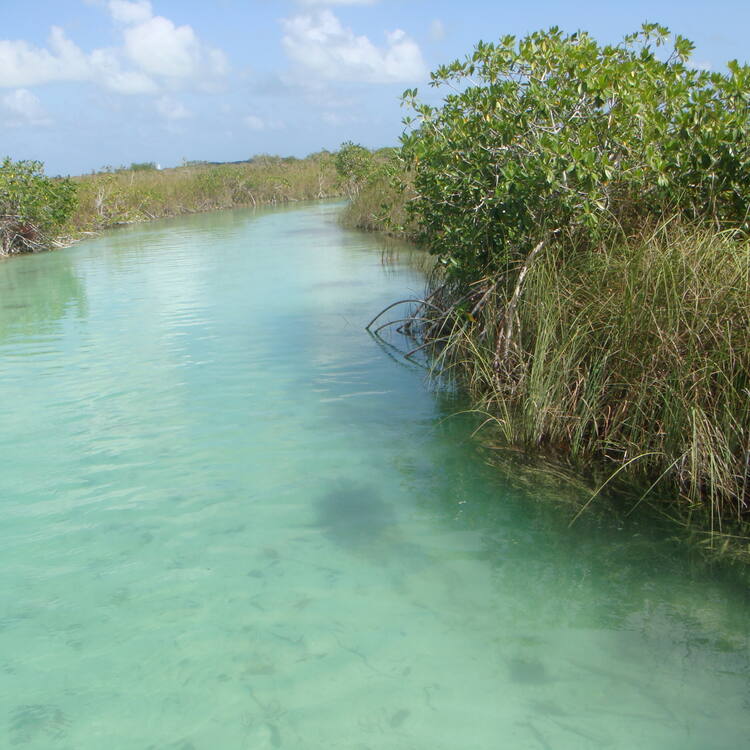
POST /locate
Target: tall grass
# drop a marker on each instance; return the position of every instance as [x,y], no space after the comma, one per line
[132,195]
[637,353]
[380,206]
[382,191]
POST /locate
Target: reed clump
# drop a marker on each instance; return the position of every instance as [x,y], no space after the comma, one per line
[636,352]
[136,194]
[380,206]
[378,190]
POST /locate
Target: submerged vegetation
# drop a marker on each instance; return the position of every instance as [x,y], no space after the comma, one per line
[589,208]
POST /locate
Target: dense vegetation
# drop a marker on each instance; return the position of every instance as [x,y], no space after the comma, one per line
[39,212]
[555,135]
[377,187]
[141,193]
[33,207]
[590,206]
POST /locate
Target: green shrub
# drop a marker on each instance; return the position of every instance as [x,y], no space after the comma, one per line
[557,134]
[354,164]
[33,206]
[379,203]
[142,166]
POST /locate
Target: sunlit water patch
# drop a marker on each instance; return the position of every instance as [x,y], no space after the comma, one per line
[230,520]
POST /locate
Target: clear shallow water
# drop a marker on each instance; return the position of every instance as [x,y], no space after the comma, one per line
[229,520]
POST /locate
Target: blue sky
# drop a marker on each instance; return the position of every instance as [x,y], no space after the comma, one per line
[89,83]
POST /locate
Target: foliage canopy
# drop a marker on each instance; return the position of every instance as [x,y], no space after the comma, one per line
[555,133]
[33,206]
[354,164]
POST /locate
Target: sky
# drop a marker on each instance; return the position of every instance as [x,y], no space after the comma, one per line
[86,84]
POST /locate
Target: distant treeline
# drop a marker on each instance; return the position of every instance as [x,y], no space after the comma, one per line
[589,208]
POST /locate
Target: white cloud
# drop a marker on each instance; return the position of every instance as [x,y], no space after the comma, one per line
[337,2]
[319,42]
[107,71]
[171,109]
[21,107]
[258,123]
[254,122]
[337,118]
[160,48]
[128,12]
[437,30]
[22,64]
[155,54]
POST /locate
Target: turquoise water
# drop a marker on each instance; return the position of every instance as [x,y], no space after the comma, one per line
[231,520]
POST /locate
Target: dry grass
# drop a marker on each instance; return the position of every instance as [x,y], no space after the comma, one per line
[107,199]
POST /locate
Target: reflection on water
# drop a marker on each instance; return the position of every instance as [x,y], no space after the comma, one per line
[231,521]
[33,297]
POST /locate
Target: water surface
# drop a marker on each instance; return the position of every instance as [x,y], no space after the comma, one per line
[231,520]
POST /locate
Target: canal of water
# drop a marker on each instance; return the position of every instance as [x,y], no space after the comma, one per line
[230,520]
